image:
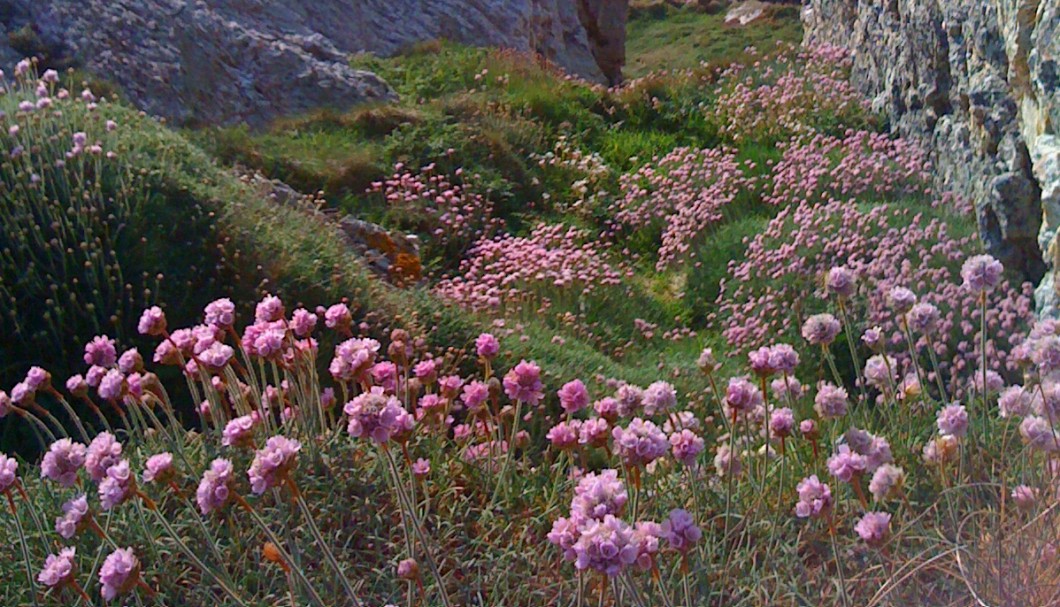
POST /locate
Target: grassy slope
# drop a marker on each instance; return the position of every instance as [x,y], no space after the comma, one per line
[662,37]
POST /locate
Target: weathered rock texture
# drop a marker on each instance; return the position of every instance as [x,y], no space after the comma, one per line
[226,61]
[977,81]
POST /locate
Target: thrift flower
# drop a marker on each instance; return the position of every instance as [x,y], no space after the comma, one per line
[215,487]
[874,528]
[74,512]
[59,569]
[681,531]
[815,498]
[119,574]
[272,463]
[523,383]
[573,396]
[62,461]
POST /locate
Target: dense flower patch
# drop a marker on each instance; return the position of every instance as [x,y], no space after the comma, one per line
[684,191]
[513,271]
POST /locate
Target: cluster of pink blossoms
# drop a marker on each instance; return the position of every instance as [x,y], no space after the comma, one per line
[513,271]
[452,213]
[595,536]
[685,191]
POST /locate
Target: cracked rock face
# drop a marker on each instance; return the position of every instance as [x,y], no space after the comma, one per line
[977,82]
[232,61]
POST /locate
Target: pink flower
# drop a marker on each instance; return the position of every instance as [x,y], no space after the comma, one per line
[303,322]
[220,313]
[421,468]
[982,273]
[874,528]
[408,569]
[594,432]
[117,486]
[272,463]
[216,486]
[641,443]
[815,498]
[474,395]
[112,385]
[101,352]
[75,385]
[952,420]
[727,462]
[831,401]
[880,372]
[821,329]
[73,517]
[269,309]
[338,317]
[607,546]
[487,346]
[923,318]
[686,446]
[59,569]
[564,435]
[239,432]
[8,468]
[1014,401]
[1025,497]
[523,383]
[119,574]
[901,299]
[742,396]
[158,468]
[681,531]
[62,461]
[152,322]
[573,396]
[630,398]
[1038,433]
[598,495]
[130,361]
[103,452]
[841,282]
[659,398]
[377,416]
[846,464]
[782,422]
[887,480]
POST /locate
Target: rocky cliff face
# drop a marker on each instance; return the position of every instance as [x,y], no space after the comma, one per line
[977,81]
[227,61]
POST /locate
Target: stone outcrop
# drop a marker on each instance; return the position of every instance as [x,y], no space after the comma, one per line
[230,61]
[977,81]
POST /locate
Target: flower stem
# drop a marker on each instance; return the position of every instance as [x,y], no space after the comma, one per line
[304,507]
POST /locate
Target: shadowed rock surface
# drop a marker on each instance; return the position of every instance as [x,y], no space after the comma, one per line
[977,82]
[230,61]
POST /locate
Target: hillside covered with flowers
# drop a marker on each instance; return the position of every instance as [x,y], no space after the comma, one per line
[712,337]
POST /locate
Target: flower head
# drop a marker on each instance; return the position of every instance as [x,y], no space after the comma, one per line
[73,517]
[831,401]
[886,481]
[215,488]
[59,569]
[901,299]
[686,446]
[815,498]
[681,531]
[952,420]
[119,574]
[841,282]
[152,322]
[159,468]
[573,396]
[117,486]
[62,461]
[523,383]
[220,313]
[874,528]
[821,329]
[598,495]
[8,468]
[239,432]
[640,443]
[487,346]
[607,546]
[660,397]
[101,352]
[377,416]
[982,273]
[103,452]
[845,464]
[272,463]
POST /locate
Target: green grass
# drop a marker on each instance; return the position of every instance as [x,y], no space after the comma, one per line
[674,39]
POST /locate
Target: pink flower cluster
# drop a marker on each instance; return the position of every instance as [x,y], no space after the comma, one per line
[884,247]
[684,191]
[823,168]
[441,206]
[510,271]
[789,94]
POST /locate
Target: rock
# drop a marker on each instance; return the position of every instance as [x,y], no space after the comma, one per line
[390,254]
[233,61]
[745,12]
[977,82]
